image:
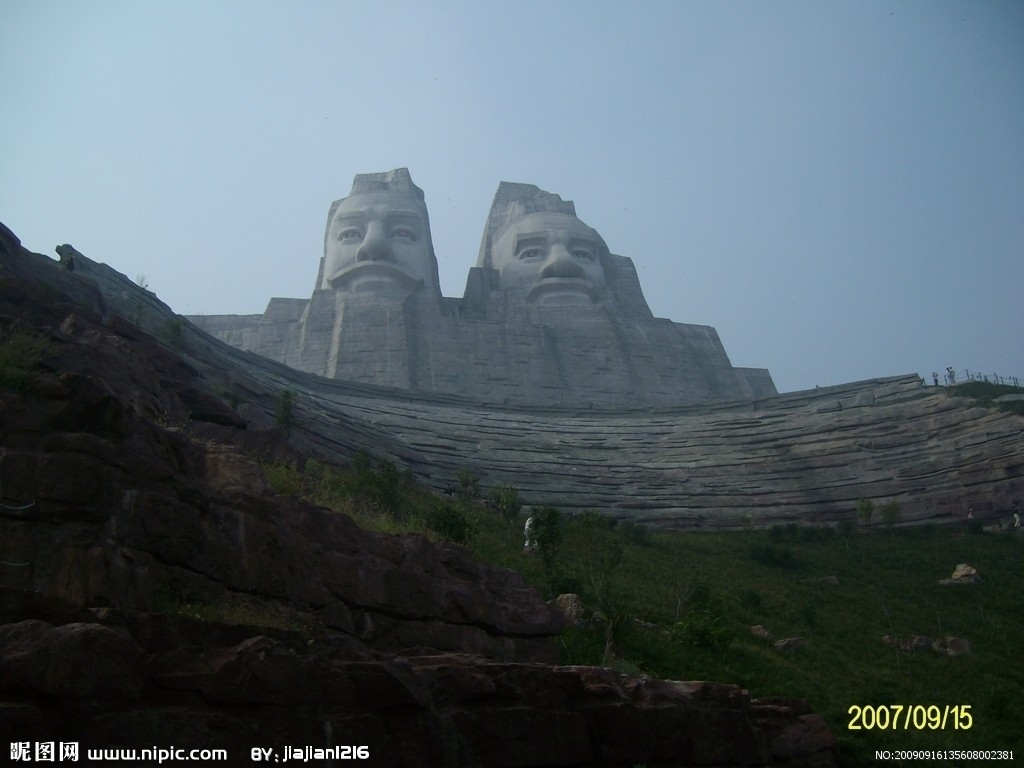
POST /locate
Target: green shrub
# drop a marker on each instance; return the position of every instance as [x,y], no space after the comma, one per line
[285,411]
[324,485]
[704,624]
[469,487]
[547,533]
[175,328]
[387,487]
[284,478]
[809,614]
[547,525]
[890,512]
[805,533]
[582,645]
[21,350]
[865,508]
[774,555]
[362,461]
[506,501]
[750,598]
[593,553]
[451,524]
[816,533]
[632,533]
[984,393]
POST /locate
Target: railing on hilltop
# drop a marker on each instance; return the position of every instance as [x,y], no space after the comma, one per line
[951,378]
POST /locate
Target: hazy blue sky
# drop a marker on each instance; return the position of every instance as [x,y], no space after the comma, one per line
[837,187]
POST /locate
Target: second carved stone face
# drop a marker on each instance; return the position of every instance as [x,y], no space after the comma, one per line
[378,241]
[552,258]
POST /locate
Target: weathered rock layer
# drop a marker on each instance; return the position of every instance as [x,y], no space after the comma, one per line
[106,678]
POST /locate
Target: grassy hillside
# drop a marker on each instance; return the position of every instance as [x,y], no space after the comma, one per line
[987,394]
[681,605]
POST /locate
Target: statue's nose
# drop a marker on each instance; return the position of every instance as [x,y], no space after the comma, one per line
[375,246]
[560,263]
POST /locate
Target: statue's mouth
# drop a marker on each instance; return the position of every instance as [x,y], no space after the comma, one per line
[564,290]
[376,276]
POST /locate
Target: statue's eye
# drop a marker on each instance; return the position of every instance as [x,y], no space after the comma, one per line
[404,233]
[583,253]
[530,253]
[350,235]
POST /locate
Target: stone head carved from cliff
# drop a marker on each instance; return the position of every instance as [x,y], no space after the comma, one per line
[378,238]
[541,250]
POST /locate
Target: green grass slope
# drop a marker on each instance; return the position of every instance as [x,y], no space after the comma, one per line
[681,605]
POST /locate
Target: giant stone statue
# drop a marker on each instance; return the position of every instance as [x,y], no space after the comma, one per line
[378,238]
[547,257]
[549,316]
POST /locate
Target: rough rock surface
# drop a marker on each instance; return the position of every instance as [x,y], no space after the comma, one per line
[125,511]
[131,506]
[947,646]
[110,678]
[790,644]
[963,574]
[571,607]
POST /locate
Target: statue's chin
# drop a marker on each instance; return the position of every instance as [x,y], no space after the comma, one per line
[563,290]
[373,278]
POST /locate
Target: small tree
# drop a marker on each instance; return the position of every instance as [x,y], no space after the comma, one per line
[598,555]
[387,486]
[175,330]
[704,623]
[547,532]
[890,512]
[143,282]
[865,508]
[506,500]
[286,411]
[469,488]
[846,529]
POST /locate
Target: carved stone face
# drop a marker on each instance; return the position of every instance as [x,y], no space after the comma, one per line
[552,258]
[378,241]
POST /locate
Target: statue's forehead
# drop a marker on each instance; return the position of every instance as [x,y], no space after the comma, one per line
[380,202]
[538,223]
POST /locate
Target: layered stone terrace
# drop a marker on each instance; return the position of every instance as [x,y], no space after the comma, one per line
[805,456]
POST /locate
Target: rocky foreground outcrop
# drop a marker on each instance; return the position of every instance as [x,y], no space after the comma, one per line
[155,592]
[106,678]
